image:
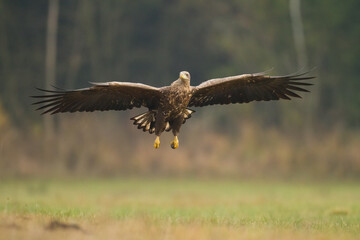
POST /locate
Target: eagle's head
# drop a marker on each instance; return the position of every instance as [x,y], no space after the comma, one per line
[185,76]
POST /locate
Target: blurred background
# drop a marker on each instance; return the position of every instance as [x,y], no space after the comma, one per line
[69,43]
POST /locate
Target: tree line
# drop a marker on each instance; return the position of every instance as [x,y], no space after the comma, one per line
[150,41]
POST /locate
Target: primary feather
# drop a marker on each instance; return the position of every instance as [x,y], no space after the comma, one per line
[102,97]
[248,87]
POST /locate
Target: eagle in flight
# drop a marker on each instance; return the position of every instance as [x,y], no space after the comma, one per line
[168,107]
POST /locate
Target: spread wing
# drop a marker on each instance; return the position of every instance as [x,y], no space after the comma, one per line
[101,96]
[248,87]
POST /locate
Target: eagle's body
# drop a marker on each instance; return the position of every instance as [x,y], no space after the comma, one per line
[173,102]
[168,106]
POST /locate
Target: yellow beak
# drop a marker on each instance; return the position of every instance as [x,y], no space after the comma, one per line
[183,76]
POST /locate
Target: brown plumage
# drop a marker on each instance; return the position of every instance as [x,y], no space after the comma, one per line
[168,106]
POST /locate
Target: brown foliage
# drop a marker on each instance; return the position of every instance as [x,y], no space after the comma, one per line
[100,144]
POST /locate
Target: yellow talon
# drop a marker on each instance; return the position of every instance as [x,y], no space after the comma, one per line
[157,142]
[175,143]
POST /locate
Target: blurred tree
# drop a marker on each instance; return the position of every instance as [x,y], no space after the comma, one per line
[298,33]
[332,39]
[50,59]
[150,41]
[302,61]
[22,37]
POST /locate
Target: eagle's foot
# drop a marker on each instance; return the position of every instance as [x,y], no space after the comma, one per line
[157,142]
[175,143]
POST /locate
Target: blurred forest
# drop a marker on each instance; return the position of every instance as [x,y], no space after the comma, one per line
[69,43]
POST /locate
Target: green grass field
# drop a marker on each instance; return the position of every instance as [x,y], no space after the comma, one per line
[178,209]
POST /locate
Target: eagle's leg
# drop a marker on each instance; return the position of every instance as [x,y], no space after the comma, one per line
[175,143]
[176,124]
[157,142]
[160,125]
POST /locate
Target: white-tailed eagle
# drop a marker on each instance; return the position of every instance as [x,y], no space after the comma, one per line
[168,107]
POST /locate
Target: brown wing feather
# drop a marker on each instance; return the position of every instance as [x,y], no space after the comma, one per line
[248,87]
[101,96]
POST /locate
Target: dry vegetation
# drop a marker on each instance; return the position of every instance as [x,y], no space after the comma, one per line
[101,144]
[36,228]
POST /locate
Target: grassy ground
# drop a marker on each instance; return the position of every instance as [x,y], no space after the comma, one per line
[177,209]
